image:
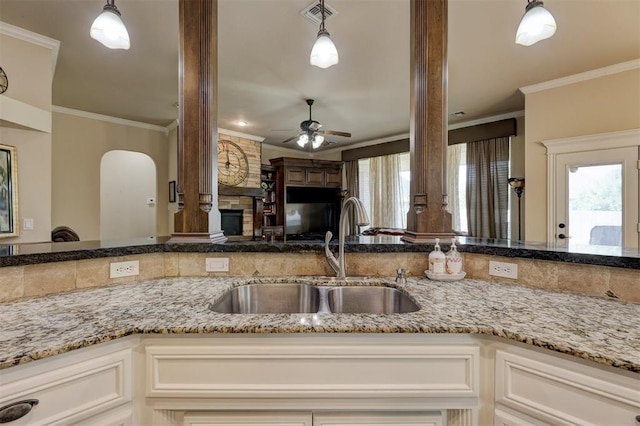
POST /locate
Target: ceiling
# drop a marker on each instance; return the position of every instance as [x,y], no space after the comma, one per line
[264,71]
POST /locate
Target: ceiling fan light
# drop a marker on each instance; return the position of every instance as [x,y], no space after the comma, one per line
[324,53]
[536,24]
[303,140]
[318,140]
[109,29]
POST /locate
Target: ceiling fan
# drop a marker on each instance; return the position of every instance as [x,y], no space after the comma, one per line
[311,133]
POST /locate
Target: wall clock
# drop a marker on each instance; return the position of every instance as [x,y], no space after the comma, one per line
[4,81]
[233,166]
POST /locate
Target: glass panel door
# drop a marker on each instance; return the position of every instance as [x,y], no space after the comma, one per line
[597,200]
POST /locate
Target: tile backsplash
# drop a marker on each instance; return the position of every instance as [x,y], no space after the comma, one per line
[37,280]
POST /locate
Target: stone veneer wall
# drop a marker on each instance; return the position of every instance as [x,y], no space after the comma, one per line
[48,278]
[252,150]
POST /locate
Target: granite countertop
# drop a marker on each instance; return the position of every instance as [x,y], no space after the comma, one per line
[37,253]
[597,329]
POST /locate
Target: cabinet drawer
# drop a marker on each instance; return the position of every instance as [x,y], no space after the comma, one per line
[563,392]
[266,369]
[83,387]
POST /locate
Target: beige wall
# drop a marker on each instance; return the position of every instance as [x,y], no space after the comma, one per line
[606,104]
[28,68]
[78,146]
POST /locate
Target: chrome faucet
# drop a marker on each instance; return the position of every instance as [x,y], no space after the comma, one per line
[337,264]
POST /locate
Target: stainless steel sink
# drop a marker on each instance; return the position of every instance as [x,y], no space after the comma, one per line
[307,298]
[369,300]
[269,299]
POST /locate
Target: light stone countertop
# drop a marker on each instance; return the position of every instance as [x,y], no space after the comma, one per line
[597,329]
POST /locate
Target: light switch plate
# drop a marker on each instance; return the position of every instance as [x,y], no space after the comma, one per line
[217,264]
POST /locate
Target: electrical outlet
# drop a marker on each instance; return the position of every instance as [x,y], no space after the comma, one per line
[124,269]
[503,269]
[217,264]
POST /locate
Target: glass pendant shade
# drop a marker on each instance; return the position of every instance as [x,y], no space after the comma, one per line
[109,29]
[536,24]
[317,141]
[302,140]
[324,52]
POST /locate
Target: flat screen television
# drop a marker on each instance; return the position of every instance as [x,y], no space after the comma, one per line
[311,212]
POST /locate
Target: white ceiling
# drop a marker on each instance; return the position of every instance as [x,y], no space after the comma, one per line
[264,72]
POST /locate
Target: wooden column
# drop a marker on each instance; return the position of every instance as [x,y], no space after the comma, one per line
[198,129]
[428,217]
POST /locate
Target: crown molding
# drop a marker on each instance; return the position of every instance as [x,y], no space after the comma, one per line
[584,76]
[33,38]
[109,119]
[506,116]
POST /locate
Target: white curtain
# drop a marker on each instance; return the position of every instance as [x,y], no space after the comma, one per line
[386,192]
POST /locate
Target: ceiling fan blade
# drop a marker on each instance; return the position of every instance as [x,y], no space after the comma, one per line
[291,139]
[336,133]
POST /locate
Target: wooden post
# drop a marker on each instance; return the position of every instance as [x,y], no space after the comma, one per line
[198,127]
[428,217]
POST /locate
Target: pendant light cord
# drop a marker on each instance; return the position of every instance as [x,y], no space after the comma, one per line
[322,13]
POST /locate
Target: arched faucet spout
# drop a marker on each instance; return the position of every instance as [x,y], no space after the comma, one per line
[362,219]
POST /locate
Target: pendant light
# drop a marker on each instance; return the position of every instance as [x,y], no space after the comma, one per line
[324,52]
[536,24]
[109,29]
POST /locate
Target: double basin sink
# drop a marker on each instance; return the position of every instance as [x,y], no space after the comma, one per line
[308,298]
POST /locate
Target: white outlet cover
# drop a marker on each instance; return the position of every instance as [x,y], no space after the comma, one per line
[217,264]
[503,269]
[124,269]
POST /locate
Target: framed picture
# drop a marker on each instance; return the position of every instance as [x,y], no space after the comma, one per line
[8,192]
[172,191]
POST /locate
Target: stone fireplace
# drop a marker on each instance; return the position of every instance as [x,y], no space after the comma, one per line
[242,205]
[241,198]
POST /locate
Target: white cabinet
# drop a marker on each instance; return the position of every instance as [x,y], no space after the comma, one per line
[248,419]
[553,390]
[379,419]
[313,367]
[314,419]
[74,387]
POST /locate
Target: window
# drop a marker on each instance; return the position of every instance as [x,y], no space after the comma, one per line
[384,184]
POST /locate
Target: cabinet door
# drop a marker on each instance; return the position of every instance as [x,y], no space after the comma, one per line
[559,391]
[248,419]
[314,177]
[72,389]
[333,178]
[431,418]
[503,418]
[294,175]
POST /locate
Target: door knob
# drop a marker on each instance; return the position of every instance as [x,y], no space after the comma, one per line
[562,236]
